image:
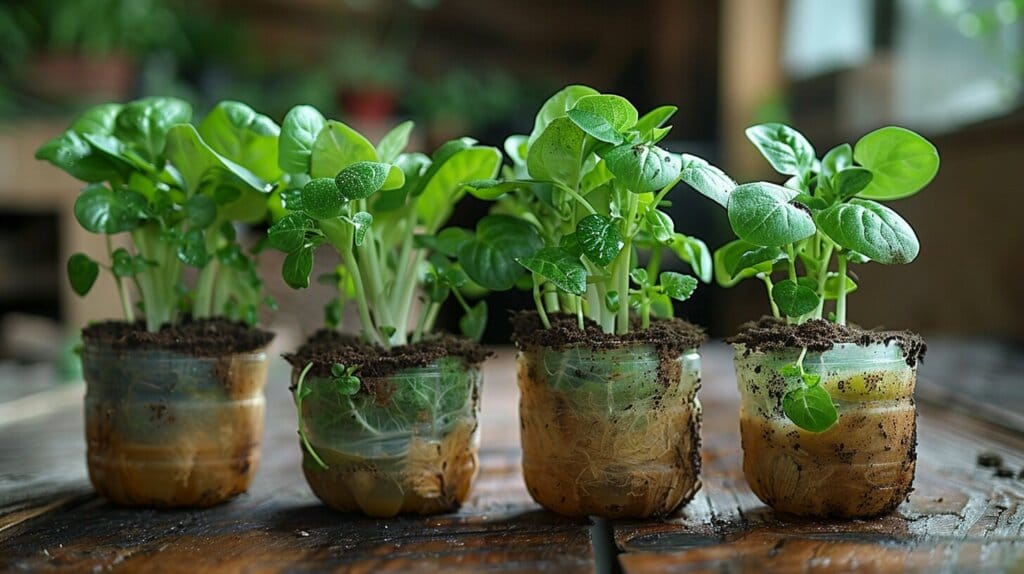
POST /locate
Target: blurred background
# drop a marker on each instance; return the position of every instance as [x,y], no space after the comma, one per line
[836,69]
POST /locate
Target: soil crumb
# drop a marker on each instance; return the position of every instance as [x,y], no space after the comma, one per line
[327,347]
[198,338]
[818,335]
[672,337]
[990,460]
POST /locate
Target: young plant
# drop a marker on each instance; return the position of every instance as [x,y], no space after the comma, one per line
[579,215]
[177,191]
[380,209]
[828,209]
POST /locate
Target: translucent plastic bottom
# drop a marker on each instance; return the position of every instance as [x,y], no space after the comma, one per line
[169,430]
[612,433]
[412,447]
[863,466]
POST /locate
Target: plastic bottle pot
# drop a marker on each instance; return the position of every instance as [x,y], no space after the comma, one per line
[610,432]
[860,467]
[165,429]
[404,443]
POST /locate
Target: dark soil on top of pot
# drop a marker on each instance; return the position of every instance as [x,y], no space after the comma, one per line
[672,337]
[327,347]
[199,338]
[817,335]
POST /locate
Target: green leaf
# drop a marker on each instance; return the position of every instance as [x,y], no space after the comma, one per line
[611,301]
[346,385]
[99,119]
[603,117]
[73,154]
[336,147]
[793,299]
[791,370]
[394,142]
[810,408]
[599,238]
[831,290]
[450,238]
[558,153]
[560,267]
[289,233]
[489,256]
[786,149]
[695,253]
[299,131]
[901,161]
[143,125]
[238,133]
[192,250]
[361,221]
[491,189]
[643,168]
[203,168]
[322,199]
[707,179]
[201,211]
[756,257]
[297,267]
[676,285]
[474,322]
[556,107]
[836,160]
[851,181]
[82,273]
[361,179]
[660,225]
[761,213]
[872,229]
[727,258]
[123,264]
[640,277]
[443,183]
[100,210]
[654,119]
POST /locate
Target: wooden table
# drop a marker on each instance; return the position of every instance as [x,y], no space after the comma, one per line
[960,518]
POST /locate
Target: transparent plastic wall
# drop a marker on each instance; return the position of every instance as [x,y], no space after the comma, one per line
[863,465]
[165,429]
[409,446]
[611,432]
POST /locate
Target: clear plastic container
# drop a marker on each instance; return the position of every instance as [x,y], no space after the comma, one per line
[863,465]
[612,432]
[409,446]
[165,429]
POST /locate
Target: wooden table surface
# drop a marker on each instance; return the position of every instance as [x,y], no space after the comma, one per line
[960,517]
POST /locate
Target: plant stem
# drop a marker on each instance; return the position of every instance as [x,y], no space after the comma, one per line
[122,291]
[822,277]
[539,302]
[769,285]
[298,407]
[340,235]
[579,312]
[573,194]
[841,300]
[202,305]
[792,262]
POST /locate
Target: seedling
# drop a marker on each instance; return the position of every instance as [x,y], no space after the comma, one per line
[177,191]
[829,208]
[579,215]
[380,209]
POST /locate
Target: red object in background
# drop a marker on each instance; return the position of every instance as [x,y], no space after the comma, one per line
[368,104]
[73,77]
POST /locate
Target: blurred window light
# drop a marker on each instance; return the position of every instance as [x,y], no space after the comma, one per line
[825,36]
[957,62]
